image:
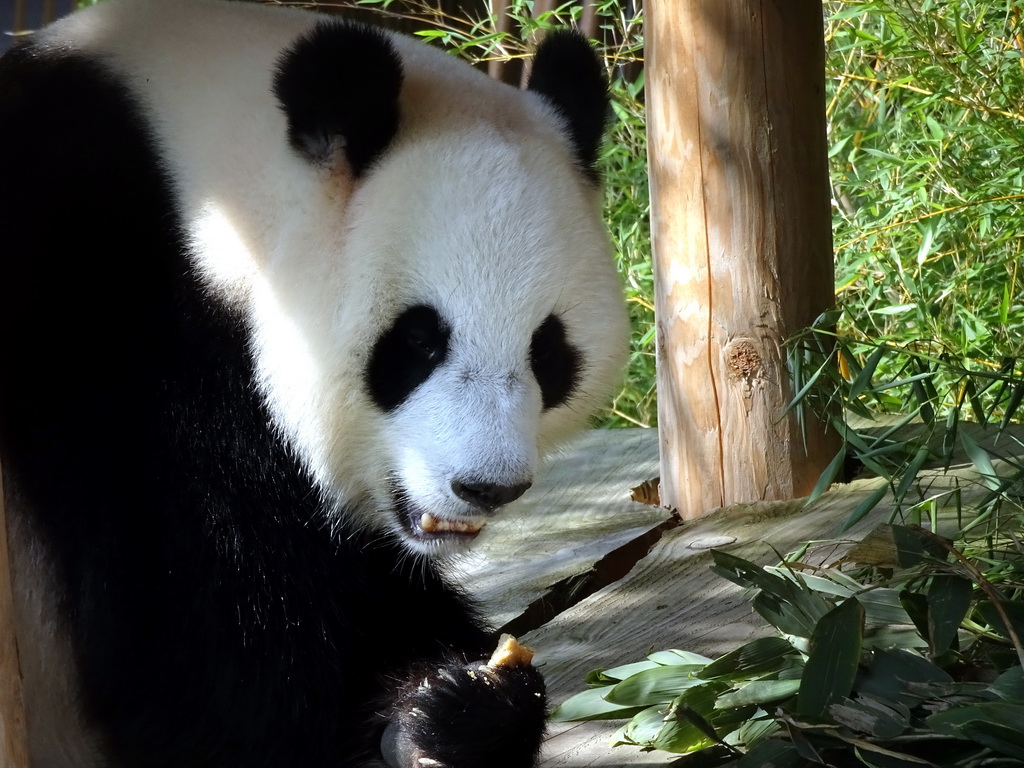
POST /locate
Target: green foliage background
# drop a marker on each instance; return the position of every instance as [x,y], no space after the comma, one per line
[927,138]
[924,107]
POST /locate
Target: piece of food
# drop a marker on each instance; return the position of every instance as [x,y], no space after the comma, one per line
[510,653]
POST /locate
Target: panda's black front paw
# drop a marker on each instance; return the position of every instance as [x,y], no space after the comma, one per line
[468,716]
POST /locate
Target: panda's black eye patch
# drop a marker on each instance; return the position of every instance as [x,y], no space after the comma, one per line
[555,362]
[405,355]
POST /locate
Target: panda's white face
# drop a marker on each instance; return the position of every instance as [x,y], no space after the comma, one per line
[468,319]
[471,323]
[498,325]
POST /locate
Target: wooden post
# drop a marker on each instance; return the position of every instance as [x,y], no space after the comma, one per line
[13,738]
[502,24]
[742,241]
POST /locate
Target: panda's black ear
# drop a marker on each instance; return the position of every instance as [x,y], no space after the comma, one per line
[567,72]
[338,85]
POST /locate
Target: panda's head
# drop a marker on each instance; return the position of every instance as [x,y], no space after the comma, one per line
[460,313]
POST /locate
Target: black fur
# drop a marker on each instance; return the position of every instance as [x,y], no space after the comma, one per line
[405,355]
[506,703]
[568,74]
[215,622]
[556,363]
[339,86]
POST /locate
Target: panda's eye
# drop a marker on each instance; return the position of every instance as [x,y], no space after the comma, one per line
[556,363]
[405,355]
[427,341]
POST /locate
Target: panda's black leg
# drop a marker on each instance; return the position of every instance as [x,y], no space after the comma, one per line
[467,716]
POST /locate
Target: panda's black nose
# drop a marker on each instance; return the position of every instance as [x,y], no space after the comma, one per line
[488,496]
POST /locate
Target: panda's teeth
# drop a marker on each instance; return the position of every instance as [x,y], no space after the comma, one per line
[431,524]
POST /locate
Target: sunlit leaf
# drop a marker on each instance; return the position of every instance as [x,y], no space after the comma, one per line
[675,657]
[652,686]
[759,692]
[590,705]
[759,656]
[624,671]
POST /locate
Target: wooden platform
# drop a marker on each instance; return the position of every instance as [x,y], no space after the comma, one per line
[588,578]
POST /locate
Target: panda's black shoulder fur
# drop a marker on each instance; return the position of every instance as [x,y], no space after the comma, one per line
[163,520]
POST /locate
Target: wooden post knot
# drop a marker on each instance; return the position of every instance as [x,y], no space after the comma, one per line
[743,360]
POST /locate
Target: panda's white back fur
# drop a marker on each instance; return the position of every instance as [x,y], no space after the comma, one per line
[477,207]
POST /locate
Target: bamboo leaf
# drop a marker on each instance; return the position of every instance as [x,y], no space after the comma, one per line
[953,719]
[766,654]
[832,664]
[590,705]
[675,657]
[1010,685]
[912,470]
[1004,739]
[652,686]
[626,670]
[772,752]
[1014,611]
[759,692]
[1010,409]
[891,672]
[863,380]
[859,512]
[949,436]
[828,476]
[981,460]
[949,599]
[785,603]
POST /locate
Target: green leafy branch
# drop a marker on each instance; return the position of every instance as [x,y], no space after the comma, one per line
[903,409]
[914,663]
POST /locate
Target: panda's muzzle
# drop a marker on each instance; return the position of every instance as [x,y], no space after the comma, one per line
[486,498]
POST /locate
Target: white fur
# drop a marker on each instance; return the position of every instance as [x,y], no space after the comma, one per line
[476,209]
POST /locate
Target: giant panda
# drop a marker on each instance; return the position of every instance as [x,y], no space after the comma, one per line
[290,307]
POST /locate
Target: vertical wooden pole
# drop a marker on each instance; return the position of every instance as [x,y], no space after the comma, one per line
[742,241]
[588,20]
[13,738]
[502,24]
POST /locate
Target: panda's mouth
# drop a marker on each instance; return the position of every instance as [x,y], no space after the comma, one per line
[424,526]
[428,525]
